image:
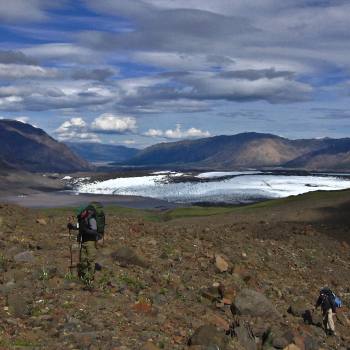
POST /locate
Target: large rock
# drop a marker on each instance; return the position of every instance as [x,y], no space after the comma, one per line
[19,304]
[297,308]
[24,257]
[252,303]
[126,256]
[209,337]
[245,336]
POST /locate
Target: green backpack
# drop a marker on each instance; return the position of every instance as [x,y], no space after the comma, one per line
[97,207]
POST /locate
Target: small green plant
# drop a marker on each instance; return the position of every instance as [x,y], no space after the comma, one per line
[179,295]
[70,276]
[43,275]
[163,291]
[105,280]
[132,282]
[3,262]
[24,343]
[67,304]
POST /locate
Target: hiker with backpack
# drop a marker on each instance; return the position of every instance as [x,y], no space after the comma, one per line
[329,303]
[91,222]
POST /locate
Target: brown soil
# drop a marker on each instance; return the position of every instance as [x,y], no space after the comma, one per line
[287,250]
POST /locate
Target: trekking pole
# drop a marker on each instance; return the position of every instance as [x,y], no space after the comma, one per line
[70,251]
[70,248]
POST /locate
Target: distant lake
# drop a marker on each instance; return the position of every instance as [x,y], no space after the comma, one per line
[215,187]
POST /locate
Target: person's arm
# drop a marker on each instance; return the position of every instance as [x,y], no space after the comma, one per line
[71,226]
[318,302]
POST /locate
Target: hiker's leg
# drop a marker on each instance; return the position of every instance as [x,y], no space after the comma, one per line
[91,258]
[330,321]
[82,266]
[325,321]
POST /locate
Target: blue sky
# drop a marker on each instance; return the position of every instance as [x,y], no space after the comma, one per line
[138,72]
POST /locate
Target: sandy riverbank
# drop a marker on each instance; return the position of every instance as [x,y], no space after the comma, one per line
[66,199]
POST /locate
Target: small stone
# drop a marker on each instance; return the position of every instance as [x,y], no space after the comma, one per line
[41,221]
[219,322]
[149,346]
[221,264]
[226,301]
[291,347]
[210,294]
[142,307]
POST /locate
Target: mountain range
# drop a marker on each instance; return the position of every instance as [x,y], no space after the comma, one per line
[97,152]
[25,147]
[249,150]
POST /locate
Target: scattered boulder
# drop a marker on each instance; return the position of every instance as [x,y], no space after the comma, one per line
[221,264]
[311,343]
[280,342]
[209,336]
[245,336]
[19,304]
[126,256]
[211,293]
[297,308]
[251,303]
[24,257]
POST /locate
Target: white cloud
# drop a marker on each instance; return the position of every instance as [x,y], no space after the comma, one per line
[154,132]
[177,133]
[18,71]
[22,10]
[129,142]
[194,132]
[76,130]
[72,124]
[22,119]
[62,51]
[114,124]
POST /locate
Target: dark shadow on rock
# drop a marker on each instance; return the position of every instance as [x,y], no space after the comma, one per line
[307,317]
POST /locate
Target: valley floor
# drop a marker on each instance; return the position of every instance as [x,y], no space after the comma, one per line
[167,273]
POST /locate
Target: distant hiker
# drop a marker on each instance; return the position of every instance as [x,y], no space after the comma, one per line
[91,223]
[329,303]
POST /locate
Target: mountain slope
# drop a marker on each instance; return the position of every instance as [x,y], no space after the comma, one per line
[28,148]
[195,151]
[236,151]
[249,150]
[95,152]
[334,155]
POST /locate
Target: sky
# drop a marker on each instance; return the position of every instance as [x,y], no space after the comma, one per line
[140,72]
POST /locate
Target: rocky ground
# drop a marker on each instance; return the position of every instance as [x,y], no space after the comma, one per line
[243,280]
